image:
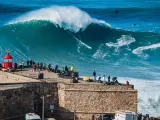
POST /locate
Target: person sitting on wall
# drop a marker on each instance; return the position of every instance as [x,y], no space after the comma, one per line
[75,80]
[99,79]
[62,72]
[114,79]
[116,82]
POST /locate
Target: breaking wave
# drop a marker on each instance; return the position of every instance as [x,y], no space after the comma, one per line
[79,34]
[67,35]
[139,50]
[148,97]
[123,41]
[67,30]
[69,18]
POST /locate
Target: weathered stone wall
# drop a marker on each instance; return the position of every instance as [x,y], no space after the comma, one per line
[90,99]
[94,87]
[51,89]
[83,99]
[15,102]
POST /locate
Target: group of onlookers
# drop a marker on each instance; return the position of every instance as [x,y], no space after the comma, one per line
[144,117]
[108,81]
[67,71]
[103,79]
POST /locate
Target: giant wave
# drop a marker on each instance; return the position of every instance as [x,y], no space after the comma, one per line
[68,35]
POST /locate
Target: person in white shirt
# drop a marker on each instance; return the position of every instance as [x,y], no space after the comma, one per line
[22,63]
[99,78]
[104,78]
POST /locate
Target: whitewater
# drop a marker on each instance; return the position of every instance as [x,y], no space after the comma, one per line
[72,19]
[50,33]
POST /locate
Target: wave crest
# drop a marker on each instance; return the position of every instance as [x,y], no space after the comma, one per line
[124,40]
[139,51]
[67,17]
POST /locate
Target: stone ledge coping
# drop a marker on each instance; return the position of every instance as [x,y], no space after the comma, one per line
[93,83]
[15,83]
[6,77]
[101,90]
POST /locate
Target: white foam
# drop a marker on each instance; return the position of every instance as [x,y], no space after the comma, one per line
[100,52]
[148,95]
[82,43]
[124,40]
[140,50]
[67,17]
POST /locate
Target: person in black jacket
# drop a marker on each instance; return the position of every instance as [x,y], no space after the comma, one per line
[94,75]
[56,68]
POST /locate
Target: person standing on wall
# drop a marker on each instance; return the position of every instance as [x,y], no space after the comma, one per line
[109,79]
[66,68]
[104,79]
[41,66]
[31,63]
[94,75]
[22,64]
[127,84]
[72,68]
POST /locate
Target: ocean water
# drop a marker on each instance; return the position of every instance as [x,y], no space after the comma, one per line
[113,37]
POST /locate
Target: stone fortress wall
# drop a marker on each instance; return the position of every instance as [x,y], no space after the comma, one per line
[80,100]
[87,100]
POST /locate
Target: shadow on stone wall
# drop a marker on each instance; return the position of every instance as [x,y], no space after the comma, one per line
[65,114]
[27,99]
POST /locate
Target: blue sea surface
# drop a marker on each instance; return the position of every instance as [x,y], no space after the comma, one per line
[129,20]
[113,37]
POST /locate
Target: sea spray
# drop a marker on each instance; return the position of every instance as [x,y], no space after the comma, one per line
[67,17]
[50,36]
